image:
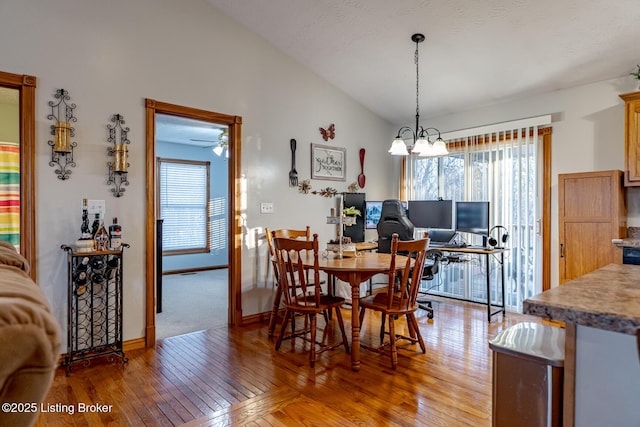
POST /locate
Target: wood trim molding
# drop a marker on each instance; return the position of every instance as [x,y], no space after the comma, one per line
[546,210]
[26,85]
[234,123]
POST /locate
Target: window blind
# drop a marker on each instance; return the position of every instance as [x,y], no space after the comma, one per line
[184,194]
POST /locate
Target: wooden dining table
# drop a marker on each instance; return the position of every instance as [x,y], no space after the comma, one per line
[354,271]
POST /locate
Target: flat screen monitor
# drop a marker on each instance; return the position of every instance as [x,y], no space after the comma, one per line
[431,213]
[373,209]
[472,217]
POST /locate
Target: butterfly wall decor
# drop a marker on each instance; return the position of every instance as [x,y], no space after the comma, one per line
[328,133]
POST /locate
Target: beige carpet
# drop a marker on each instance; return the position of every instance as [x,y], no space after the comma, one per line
[192,302]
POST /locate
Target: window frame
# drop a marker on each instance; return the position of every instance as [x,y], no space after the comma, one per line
[207,207]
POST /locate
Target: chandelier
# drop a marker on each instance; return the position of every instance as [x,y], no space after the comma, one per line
[424,141]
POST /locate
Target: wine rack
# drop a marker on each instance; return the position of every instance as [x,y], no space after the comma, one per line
[94,322]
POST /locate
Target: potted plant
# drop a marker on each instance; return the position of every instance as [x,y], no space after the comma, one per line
[636,74]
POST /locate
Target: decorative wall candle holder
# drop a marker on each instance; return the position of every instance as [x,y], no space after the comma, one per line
[119,168]
[62,131]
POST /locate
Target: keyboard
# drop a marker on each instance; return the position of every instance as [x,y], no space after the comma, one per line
[447,245]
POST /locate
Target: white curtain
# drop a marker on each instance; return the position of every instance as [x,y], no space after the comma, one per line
[501,164]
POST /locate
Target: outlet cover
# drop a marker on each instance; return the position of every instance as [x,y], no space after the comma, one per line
[266,208]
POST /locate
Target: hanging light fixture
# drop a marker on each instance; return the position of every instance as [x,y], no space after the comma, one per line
[424,141]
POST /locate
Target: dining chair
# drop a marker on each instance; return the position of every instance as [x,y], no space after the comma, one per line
[271,234]
[400,297]
[303,295]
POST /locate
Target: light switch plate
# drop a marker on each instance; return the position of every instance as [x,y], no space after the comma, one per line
[95,206]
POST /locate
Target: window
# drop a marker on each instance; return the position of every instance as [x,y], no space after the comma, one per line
[184,196]
[503,168]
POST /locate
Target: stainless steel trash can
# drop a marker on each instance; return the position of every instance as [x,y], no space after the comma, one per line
[528,367]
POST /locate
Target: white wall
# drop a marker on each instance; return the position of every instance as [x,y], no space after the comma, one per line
[112,55]
[588,135]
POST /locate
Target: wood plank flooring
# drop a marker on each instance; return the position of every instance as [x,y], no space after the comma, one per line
[234,376]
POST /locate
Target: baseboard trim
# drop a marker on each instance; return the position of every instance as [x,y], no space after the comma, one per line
[255,318]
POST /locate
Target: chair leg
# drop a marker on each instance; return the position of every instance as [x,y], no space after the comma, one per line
[412,332]
[312,350]
[341,324]
[392,339]
[273,319]
[412,320]
[382,322]
[283,327]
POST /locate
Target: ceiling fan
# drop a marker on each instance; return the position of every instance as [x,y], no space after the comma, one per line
[220,145]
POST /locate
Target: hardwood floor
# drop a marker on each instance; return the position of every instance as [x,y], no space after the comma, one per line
[235,377]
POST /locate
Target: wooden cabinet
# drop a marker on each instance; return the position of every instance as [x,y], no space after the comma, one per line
[94,319]
[631,138]
[591,212]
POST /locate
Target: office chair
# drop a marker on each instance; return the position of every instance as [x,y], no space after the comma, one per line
[428,273]
[393,219]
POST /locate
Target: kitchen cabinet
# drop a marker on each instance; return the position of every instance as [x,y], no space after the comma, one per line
[94,322]
[591,212]
[631,138]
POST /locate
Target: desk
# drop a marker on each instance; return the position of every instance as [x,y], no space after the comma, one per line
[487,253]
[354,271]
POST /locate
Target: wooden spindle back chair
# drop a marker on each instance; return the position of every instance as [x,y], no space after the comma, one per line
[271,234]
[300,287]
[400,297]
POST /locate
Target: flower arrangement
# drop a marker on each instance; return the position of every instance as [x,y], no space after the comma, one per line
[351,211]
[636,74]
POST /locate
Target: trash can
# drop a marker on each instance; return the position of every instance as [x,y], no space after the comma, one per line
[528,367]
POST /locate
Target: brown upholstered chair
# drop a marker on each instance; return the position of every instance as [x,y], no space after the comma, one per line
[400,297]
[302,294]
[290,234]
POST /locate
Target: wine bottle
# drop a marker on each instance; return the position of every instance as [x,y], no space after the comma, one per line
[115,235]
[95,225]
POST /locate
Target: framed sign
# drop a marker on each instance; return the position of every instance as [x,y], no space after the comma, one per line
[328,162]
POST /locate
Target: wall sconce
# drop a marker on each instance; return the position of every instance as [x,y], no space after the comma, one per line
[62,131]
[119,168]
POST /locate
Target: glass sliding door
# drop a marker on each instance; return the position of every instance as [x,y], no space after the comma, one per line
[504,169]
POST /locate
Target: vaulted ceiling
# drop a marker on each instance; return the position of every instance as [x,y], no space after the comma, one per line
[476,53]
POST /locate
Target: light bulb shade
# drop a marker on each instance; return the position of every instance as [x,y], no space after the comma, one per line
[218,150]
[428,151]
[421,146]
[440,148]
[398,148]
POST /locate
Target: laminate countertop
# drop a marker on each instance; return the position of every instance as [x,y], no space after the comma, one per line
[607,299]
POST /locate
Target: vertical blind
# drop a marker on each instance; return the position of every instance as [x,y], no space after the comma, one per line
[184,195]
[503,166]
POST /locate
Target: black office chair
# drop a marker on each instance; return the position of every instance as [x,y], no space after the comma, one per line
[393,219]
[428,273]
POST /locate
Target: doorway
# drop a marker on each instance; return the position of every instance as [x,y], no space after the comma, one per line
[233,124]
[192,236]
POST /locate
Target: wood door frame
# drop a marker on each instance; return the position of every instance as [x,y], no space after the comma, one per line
[26,86]
[235,230]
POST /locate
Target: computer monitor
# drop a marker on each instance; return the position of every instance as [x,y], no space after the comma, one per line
[372,211]
[431,213]
[472,217]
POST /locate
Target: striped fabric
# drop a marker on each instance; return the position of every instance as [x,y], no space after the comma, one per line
[10,192]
